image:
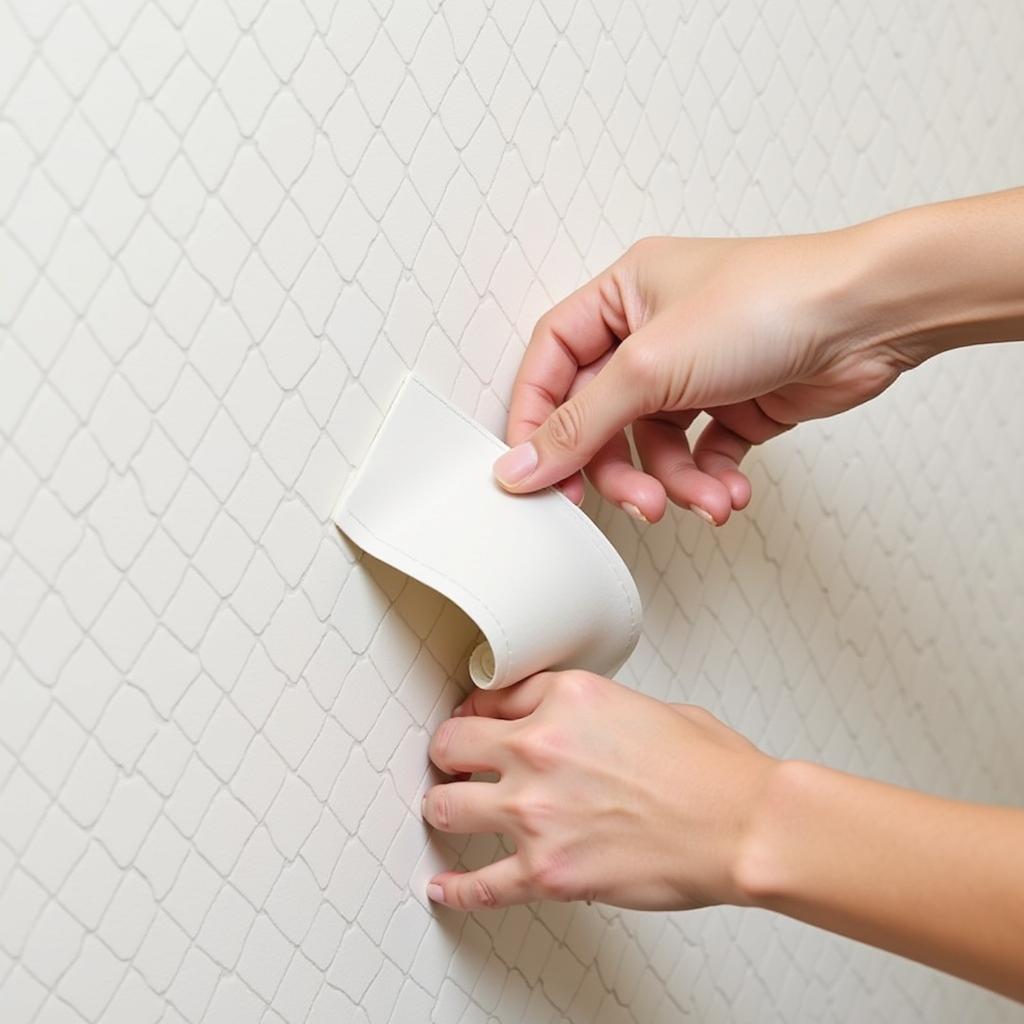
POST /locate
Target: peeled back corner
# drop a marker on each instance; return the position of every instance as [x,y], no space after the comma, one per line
[545,586]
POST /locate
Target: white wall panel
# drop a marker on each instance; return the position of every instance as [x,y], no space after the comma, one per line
[227,229]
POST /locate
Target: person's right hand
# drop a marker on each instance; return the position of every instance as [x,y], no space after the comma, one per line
[749,331]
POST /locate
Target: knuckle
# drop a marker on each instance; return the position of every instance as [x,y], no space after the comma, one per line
[483,895]
[441,808]
[638,361]
[565,427]
[575,685]
[553,877]
[531,814]
[539,746]
[644,247]
[542,325]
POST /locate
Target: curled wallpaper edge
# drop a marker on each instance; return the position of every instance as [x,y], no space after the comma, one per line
[544,585]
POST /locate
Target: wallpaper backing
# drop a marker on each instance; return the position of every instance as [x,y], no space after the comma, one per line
[227,229]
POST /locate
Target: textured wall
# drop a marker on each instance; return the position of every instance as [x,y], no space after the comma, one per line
[227,228]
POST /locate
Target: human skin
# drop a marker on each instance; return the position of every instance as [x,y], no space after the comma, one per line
[611,795]
[614,796]
[759,333]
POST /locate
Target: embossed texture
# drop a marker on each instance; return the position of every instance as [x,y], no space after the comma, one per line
[227,229]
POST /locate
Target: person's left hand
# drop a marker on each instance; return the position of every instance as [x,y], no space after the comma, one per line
[608,795]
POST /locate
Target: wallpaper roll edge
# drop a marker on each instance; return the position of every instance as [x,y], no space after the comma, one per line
[545,586]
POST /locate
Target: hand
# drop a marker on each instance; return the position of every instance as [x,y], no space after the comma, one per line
[608,795]
[748,330]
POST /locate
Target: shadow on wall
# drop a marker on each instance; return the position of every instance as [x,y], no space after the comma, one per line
[439,624]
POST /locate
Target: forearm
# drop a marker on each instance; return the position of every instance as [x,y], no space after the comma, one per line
[934,277]
[935,880]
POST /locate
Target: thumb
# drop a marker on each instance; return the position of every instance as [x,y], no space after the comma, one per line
[575,430]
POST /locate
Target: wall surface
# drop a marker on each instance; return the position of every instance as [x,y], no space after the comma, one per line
[227,229]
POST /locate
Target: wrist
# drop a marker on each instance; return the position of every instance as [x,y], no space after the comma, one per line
[920,281]
[765,872]
[894,303]
[864,300]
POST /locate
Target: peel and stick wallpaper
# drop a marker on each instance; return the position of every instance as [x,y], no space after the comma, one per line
[227,229]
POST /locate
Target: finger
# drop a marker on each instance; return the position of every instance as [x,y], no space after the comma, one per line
[573,488]
[749,422]
[665,454]
[511,702]
[718,453]
[571,335]
[501,884]
[575,430]
[463,807]
[612,472]
[727,439]
[469,745]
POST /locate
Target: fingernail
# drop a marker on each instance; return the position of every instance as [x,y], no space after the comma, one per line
[458,710]
[516,464]
[435,893]
[704,514]
[423,807]
[629,507]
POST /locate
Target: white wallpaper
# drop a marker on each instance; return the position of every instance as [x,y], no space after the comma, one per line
[227,229]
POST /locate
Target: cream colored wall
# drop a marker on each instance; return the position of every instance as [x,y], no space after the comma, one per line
[227,229]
